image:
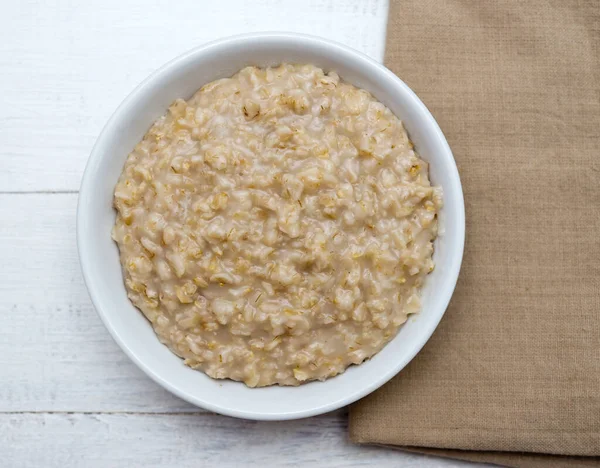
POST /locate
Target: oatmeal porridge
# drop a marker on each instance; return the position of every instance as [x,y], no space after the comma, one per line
[277,227]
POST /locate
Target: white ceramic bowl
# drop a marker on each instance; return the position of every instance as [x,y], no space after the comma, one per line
[99,255]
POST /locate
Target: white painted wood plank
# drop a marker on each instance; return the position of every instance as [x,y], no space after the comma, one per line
[55,354]
[72,440]
[67,65]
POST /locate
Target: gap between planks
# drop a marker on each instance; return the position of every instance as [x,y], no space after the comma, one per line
[40,192]
[191,412]
[340,413]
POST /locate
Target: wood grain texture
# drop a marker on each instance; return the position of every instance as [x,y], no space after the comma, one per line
[68,66]
[56,354]
[192,440]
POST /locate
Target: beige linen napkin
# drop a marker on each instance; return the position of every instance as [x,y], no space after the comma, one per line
[512,375]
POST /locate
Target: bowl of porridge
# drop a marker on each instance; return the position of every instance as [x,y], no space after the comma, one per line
[271,226]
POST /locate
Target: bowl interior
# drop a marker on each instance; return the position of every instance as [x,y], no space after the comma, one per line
[99,254]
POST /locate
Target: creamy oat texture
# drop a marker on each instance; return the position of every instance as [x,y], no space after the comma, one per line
[276,227]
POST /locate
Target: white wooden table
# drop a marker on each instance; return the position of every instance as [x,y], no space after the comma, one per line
[68,395]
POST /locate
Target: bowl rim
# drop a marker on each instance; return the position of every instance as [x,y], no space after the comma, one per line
[96,156]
